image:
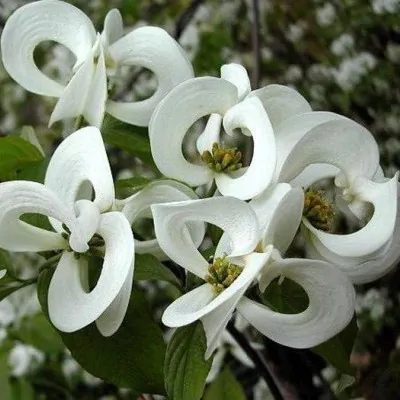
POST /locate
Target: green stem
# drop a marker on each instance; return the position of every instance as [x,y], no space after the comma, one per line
[258,361]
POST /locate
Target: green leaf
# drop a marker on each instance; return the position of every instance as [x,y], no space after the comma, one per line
[185,368]
[287,297]
[33,172]
[225,387]
[37,331]
[133,357]
[337,350]
[130,138]
[38,220]
[16,153]
[215,233]
[148,267]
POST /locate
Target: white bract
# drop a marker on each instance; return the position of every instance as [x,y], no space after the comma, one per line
[80,225]
[319,145]
[230,103]
[255,235]
[97,57]
[138,206]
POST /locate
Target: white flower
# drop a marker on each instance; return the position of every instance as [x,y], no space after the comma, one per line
[7,312]
[325,15]
[229,102]
[393,52]
[250,249]
[296,31]
[351,70]
[19,304]
[23,358]
[190,40]
[376,302]
[375,257]
[318,145]
[343,44]
[97,57]
[385,6]
[70,368]
[78,167]
[293,73]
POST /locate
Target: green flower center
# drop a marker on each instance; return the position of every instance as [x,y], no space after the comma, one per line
[318,210]
[222,159]
[221,274]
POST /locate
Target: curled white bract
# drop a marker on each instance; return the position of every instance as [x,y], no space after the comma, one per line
[318,145]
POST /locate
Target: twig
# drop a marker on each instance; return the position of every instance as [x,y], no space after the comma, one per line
[258,361]
[186,17]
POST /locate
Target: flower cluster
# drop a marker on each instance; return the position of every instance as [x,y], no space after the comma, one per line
[260,202]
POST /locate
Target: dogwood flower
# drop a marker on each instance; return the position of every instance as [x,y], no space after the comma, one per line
[97,57]
[321,145]
[81,227]
[249,250]
[362,269]
[229,102]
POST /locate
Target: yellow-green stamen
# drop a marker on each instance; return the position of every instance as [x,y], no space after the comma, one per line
[222,159]
[221,274]
[318,210]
